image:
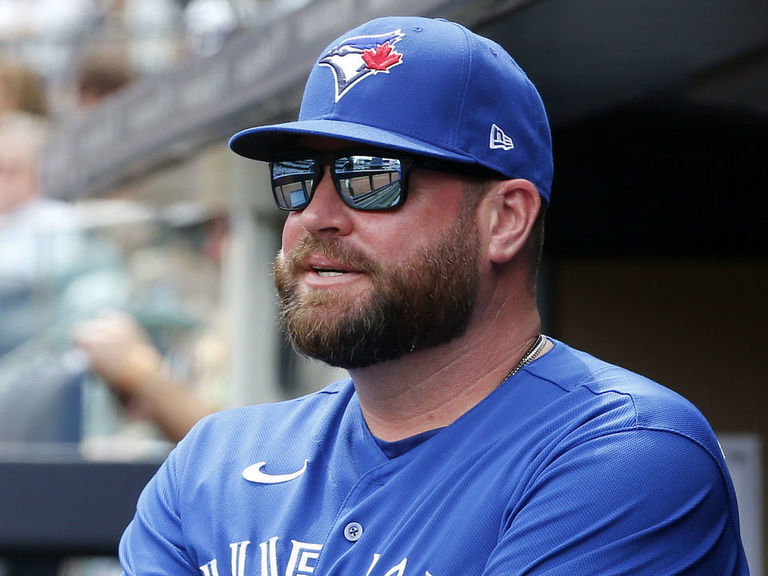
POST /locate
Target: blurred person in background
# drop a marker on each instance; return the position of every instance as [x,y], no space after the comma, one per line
[100,74]
[51,273]
[120,350]
[38,241]
[21,89]
[122,354]
[29,254]
[42,250]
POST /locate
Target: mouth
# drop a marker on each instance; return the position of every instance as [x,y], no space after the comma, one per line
[322,273]
[326,267]
[315,265]
[328,272]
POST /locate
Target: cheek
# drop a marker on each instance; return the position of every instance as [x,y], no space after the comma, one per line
[426,219]
[292,231]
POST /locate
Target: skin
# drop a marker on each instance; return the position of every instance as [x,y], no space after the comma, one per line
[433,387]
[402,397]
[120,352]
[18,170]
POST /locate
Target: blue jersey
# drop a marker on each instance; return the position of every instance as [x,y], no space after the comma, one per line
[573,466]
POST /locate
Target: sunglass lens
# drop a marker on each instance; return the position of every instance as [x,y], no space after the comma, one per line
[369,182]
[292,183]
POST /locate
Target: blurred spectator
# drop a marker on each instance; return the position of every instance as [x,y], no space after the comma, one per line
[172,387]
[121,353]
[21,89]
[45,264]
[38,240]
[23,137]
[101,73]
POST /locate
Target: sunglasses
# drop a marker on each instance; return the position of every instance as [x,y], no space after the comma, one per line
[363,180]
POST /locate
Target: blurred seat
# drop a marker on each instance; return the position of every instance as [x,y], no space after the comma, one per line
[41,397]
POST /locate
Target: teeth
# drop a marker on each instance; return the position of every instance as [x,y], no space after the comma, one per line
[328,273]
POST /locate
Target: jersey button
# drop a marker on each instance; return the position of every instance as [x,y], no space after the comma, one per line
[353,531]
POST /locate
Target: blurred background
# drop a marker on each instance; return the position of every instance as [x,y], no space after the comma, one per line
[118,193]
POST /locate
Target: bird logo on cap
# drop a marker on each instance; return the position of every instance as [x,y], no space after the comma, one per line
[360,57]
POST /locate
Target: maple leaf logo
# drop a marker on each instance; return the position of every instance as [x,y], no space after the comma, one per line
[361,57]
[382,58]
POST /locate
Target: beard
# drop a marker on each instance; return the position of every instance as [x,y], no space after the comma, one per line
[424,301]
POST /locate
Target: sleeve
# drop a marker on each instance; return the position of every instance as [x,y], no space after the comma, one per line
[639,502]
[153,543]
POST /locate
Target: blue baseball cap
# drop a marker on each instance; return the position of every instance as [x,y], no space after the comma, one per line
[424,86]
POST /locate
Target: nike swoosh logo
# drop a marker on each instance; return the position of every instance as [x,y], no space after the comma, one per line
[254,473]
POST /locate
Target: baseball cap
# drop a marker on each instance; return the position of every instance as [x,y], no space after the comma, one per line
[424,86]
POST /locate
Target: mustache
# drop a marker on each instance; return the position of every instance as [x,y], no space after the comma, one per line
[332,248]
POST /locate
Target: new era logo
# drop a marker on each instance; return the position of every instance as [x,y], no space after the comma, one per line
[499,140]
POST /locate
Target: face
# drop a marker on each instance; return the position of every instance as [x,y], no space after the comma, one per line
[18,178]
[358,288]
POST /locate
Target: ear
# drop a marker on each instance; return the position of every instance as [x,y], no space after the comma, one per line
[513,206]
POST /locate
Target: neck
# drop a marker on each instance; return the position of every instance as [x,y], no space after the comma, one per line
[432,388]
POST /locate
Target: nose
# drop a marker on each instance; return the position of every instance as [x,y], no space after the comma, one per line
[326,214]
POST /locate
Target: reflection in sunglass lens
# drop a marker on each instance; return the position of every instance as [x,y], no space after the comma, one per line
[364,182]
[292,183]
[369,182]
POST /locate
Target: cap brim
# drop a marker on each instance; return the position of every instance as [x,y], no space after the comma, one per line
[263,142]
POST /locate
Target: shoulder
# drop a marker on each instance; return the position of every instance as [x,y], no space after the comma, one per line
[275,416]
[620,453]
[240,428]
[632,502]
[651,404]
[605,398]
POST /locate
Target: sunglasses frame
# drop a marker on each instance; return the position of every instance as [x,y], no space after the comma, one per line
[323,159]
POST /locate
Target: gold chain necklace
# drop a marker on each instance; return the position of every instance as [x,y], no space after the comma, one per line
[529,356]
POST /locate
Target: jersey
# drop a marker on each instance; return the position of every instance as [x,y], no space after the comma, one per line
[572,466]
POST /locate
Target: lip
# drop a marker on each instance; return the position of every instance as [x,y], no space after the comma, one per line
[313,277]
[319,262]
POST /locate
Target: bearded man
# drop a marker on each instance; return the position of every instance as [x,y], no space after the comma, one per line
[465,442]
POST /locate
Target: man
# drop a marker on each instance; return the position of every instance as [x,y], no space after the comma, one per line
[465,442]
[39,244]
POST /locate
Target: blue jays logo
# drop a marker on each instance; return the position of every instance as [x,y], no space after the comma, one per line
[360,57]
